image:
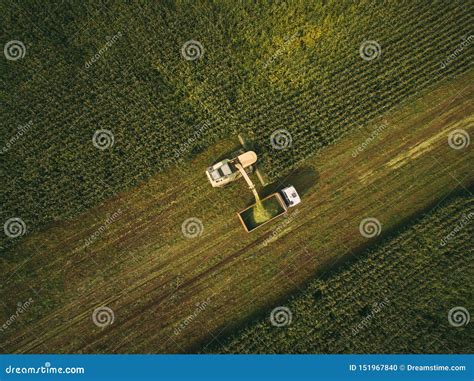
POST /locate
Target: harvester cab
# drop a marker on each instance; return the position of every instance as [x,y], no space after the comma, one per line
[227,170]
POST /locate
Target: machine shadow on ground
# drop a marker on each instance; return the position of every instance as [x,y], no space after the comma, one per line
[303,179]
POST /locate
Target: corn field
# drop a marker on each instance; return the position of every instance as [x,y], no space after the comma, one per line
[123,68]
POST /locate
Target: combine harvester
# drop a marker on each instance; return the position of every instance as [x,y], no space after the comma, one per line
[264,210]
[226,171]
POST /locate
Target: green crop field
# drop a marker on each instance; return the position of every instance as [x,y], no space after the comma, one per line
[394,299]
[115,242]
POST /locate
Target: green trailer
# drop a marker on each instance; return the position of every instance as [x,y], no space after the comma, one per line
[262,212]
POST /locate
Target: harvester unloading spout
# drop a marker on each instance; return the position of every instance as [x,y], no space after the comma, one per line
[249,182]
[246,159]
